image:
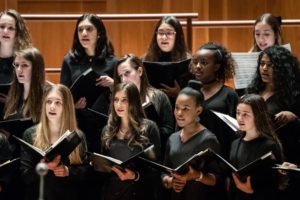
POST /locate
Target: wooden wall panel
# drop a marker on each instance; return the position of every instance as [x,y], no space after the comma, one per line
[54,38]
[61,6]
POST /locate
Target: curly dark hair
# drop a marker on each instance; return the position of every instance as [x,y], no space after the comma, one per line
[286,75]
[223,57]
[104,47]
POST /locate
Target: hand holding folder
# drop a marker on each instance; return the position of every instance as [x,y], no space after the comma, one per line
[200,157]
[166,72]
[85,86]
[246,170]
[103,163]
[63,146]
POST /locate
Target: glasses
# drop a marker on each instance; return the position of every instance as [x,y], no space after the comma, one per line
[8,27]
[168,34]
[86,28]
[268,64]
[16,65]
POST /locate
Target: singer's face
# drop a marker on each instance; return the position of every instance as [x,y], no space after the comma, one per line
[88,36]
[121,104]
[54,106]
[127,73]
[186,111]
[264,35]
[165,37]
[7,30]
[204,66]
[23,69]
[245,118]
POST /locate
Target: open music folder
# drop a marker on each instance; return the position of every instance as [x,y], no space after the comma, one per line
[85,86]
[16,126]
[104,163]
[200,157]
[9,166]
[63,146]
[246,170]
[228,120]
[166,72]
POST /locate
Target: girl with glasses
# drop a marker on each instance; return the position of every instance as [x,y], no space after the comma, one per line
[168,45]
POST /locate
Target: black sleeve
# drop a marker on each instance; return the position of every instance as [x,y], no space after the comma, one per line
[65,74]
[27,161]
[80,171]
[166,126]
[154,138]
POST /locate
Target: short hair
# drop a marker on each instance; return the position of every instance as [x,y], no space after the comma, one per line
[193,90]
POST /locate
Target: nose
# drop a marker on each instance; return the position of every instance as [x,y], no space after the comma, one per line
[178,112]
[198,65]
[52,106]
[264,67]
[19,69]
[261,38]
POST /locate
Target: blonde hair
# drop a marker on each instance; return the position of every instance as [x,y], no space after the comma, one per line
[68,122]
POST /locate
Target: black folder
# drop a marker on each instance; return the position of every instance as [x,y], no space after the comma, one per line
[9,166]
[4,88]
[201,157]
[166,72]
[103,163]
[285,168]
[249,168]
[63,146]
[151,112]
[228,120]
[85,86]
[16,126]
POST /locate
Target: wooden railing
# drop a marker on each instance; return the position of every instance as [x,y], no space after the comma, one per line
[236,23]
[189,23]
[132,17]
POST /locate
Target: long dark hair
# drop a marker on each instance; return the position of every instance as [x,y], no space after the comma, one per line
[23,38]
[262,118]
[136,135]
[179,52]
[286,75]
[104,47]
[32,105]
[134,63]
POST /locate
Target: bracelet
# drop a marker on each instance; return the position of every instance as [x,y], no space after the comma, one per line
[200,177]
[137,176]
